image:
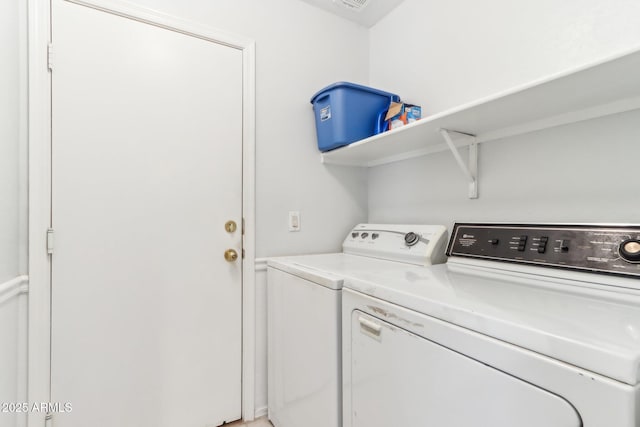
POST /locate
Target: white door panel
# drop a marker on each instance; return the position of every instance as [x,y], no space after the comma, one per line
[147,158]
[399,378]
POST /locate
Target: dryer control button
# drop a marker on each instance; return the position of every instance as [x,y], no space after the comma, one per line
[411,238]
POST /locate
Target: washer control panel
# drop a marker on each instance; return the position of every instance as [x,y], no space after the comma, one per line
[412,244]
[596,248]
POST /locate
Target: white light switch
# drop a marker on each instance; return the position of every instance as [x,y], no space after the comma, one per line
[294,221]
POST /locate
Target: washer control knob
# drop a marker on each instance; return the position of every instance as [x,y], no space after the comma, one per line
[364,235]
[630,250]
[354,235]
[411,238]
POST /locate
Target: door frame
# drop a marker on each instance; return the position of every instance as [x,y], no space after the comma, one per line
[39,30]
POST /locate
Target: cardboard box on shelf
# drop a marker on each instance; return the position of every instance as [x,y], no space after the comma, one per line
[400,114]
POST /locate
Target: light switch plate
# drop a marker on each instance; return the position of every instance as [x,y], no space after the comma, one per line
[294,221]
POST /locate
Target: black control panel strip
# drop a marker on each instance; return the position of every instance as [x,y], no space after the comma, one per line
[609,249]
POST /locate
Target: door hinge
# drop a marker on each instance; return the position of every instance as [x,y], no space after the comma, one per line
[48,420]
[50,56]
[50,240]
[243,226]
[242,253]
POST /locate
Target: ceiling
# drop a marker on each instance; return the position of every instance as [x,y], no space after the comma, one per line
[363,12]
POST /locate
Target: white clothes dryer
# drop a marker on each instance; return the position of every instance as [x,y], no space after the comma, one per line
[525,325]
[304,316]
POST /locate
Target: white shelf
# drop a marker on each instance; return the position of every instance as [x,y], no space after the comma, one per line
[607,87]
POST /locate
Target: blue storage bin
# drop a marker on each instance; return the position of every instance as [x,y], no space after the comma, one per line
[347,112]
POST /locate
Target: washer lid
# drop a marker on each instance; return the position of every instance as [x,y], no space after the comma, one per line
[330,269]
[307,272]
[589,328]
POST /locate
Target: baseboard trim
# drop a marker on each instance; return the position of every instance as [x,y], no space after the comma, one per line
[261,412]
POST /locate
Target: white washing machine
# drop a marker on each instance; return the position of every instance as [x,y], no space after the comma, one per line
[525,325]
[304,316]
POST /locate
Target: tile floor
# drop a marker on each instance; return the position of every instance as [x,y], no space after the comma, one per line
[260,422]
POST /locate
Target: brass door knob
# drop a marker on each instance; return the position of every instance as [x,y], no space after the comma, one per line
[230,255]
[230,226]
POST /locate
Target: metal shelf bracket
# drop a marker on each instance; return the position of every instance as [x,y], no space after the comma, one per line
[470,170]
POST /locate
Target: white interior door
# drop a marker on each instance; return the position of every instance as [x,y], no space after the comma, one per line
[147,168]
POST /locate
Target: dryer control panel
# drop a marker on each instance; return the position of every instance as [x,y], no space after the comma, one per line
[611,249]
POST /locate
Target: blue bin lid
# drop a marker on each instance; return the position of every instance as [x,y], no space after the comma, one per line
[395,97]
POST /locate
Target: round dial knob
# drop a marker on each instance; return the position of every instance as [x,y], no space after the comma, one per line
[630,250]
[411,238]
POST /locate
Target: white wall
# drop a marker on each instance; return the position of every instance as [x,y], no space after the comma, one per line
[299,50]
[11,145]
[441,54]
[578,173]
[13,214]
[461,50]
